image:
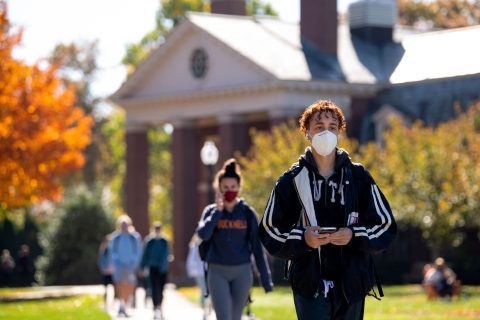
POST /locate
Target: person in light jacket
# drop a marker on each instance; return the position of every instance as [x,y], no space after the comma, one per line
[125,251]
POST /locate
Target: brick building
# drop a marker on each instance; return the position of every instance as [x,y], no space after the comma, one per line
[218,75]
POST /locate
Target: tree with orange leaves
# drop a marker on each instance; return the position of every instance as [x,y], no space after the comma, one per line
[42,132]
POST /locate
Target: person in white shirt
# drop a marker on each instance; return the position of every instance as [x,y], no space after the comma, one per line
[196,269]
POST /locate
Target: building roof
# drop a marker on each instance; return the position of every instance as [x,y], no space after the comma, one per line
[442,54]
[272,50]
[275,46]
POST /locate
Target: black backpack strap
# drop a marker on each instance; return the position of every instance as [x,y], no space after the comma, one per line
[205,269]
[249,302]
[377,280]
[248,216]
[286,268]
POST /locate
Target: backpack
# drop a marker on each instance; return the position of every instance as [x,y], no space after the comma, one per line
[203,248]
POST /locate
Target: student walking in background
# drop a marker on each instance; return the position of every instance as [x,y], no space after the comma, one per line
[230,227]
[196,269]
[105,264]
[25,266]
[155,258]
[144,273]
[7,265]
[126,250]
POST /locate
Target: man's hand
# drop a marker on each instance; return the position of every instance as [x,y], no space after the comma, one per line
[315,240]
[341,237]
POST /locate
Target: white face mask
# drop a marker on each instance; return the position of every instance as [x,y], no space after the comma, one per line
[324,142]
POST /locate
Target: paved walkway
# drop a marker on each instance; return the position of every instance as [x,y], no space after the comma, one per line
[175,307]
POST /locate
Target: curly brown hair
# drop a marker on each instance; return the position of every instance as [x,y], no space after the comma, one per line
[322,106]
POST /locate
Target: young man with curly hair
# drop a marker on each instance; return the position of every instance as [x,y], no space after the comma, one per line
[327,217]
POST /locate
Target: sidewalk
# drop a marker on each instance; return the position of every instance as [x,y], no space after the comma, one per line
[174,306]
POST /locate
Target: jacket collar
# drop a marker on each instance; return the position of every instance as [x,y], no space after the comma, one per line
[308,160]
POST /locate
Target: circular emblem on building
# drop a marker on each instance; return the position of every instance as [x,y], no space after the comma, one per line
[199,63]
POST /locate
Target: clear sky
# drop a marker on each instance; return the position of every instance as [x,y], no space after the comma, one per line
[114,23]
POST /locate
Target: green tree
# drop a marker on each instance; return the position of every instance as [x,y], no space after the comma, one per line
[8,237]
[170,14]
[72,238]
[431,176]
[78,69]
[160,161]
[440,13]
[114,129]
[78,65]
[261,8]
[161,187]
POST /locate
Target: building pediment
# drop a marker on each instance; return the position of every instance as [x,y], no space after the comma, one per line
[190,61]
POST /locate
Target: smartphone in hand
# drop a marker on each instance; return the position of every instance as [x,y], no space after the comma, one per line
[327,230]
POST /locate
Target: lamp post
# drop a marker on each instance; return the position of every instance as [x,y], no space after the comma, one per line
[209,156]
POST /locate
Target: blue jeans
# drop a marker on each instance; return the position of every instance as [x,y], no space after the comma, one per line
[333,307]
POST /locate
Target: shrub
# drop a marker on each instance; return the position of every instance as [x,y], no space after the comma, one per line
[71,240]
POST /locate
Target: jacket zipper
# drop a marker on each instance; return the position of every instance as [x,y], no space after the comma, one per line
[326,187]
[319,248]
[341,247]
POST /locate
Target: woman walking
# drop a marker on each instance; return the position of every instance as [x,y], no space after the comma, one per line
[230,227]
[126,251]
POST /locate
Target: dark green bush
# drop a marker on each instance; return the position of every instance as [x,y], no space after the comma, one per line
[72,238]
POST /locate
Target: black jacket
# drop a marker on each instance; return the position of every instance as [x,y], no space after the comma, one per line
[291,209]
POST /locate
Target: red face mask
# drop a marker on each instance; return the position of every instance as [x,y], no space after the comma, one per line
[229,196]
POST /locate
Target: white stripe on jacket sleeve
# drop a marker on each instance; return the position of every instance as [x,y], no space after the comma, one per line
[370,233]
[268,223]
[267,216]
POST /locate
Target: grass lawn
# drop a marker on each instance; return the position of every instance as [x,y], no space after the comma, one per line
[74,308]
[400,303]
[7,292]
